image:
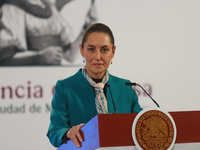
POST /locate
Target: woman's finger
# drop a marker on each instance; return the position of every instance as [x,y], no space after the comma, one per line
[78,132]
[75,135]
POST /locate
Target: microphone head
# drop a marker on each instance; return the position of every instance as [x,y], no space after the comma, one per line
[129,83]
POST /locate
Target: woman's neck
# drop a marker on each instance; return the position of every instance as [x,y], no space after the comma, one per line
[95,75]
[97,80]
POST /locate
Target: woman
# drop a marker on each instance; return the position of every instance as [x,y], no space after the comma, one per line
[33,32]
[78,98]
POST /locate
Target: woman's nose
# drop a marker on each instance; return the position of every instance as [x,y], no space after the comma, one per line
[97,55]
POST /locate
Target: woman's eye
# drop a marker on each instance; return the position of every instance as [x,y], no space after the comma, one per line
[104,50]
[91,49]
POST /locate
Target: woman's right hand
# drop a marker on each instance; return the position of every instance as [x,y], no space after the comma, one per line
[51,55]
[75,135]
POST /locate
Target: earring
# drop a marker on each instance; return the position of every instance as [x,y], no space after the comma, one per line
[83,60]
[111,62]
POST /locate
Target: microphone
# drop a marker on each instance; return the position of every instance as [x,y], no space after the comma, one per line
[134,84]
[108,85]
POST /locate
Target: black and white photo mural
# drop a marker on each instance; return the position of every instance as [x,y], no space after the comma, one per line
[34,32]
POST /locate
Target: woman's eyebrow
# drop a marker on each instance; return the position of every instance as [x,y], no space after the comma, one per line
[104,46]
[101,46]
[91,45]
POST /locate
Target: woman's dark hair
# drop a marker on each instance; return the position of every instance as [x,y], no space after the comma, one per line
[98,27]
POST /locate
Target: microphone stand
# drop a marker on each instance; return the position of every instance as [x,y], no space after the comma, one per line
[134,84]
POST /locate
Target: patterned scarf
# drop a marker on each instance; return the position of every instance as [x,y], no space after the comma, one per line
[100,99]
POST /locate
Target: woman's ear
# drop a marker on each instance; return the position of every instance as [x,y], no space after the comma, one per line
[81,50]
[113,51]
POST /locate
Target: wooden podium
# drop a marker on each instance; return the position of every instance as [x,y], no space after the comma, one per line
[115,130]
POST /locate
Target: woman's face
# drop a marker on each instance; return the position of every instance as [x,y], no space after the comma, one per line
[98,52]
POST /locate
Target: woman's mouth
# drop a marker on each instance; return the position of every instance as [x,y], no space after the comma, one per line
[97,64]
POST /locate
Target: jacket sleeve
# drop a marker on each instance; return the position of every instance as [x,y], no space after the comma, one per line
[134,100]
[59,118]
[135,107]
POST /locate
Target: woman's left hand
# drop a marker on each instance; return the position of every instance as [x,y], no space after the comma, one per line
[75,135]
